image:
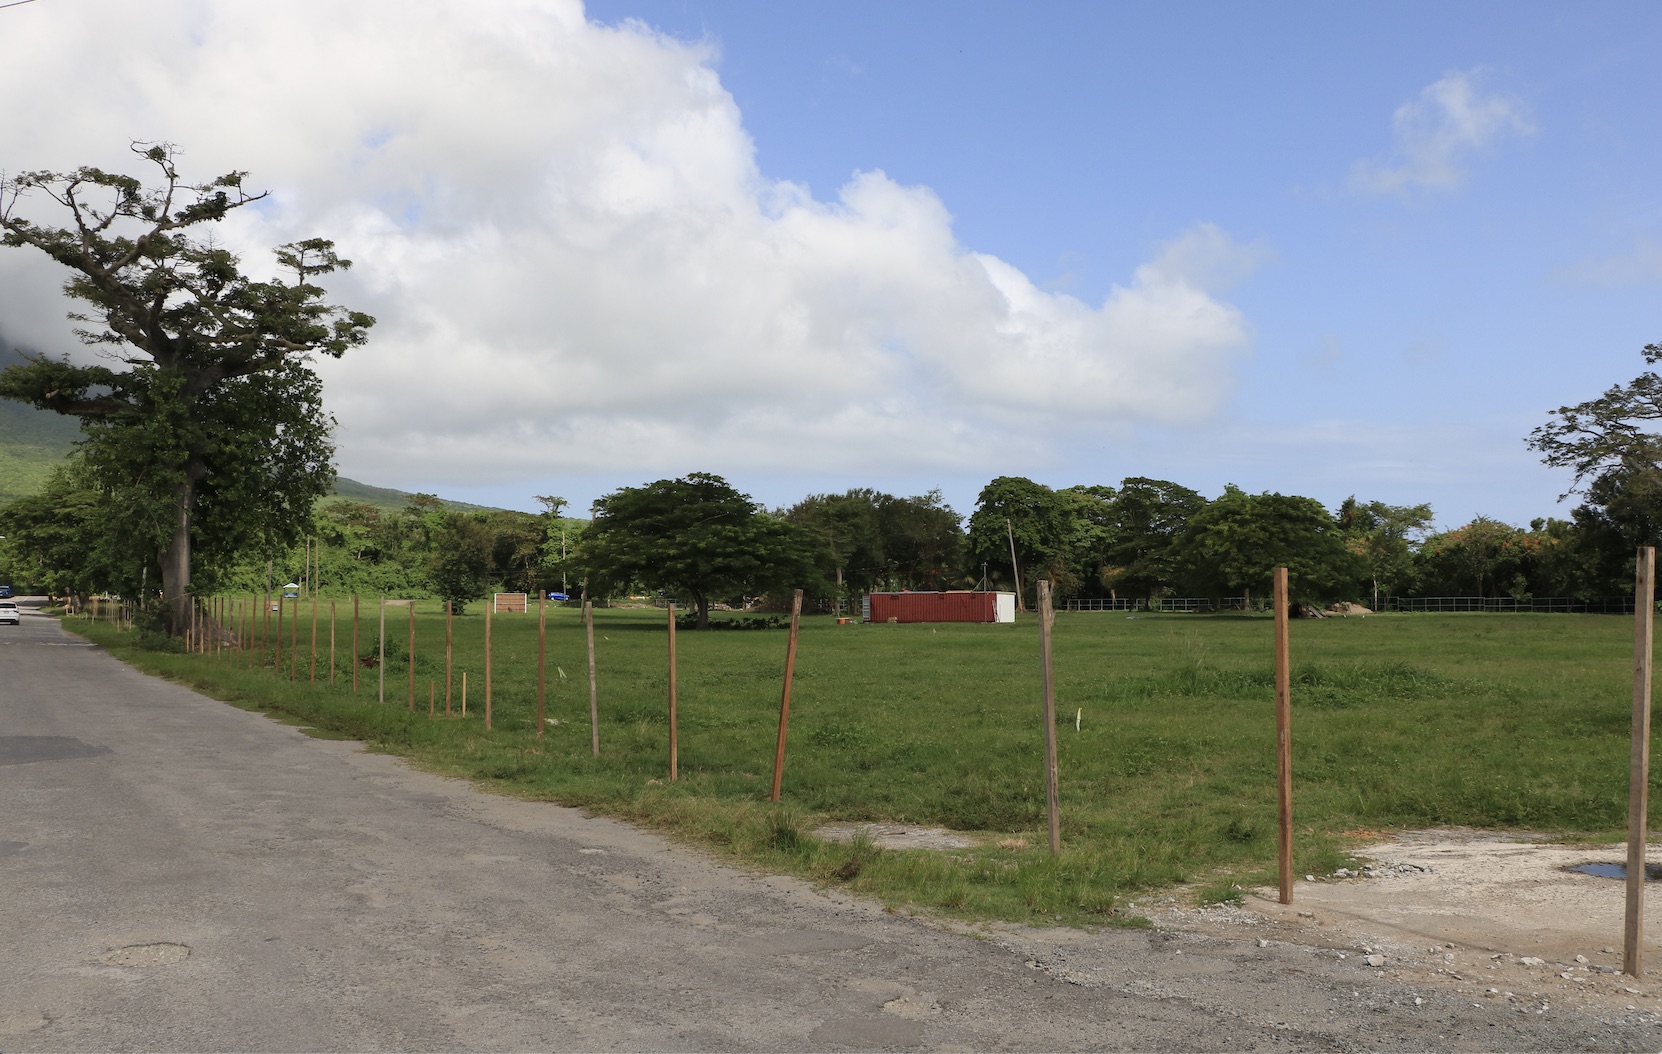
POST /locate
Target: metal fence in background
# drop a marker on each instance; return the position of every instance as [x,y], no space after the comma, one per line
[1511,605]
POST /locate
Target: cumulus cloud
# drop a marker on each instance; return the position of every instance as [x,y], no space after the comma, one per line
[577,265]
[1437,135]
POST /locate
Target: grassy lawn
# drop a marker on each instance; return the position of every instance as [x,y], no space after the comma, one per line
[1503,721]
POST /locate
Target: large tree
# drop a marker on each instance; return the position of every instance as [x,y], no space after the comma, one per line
[1013,512]
[1150,517]
[1384,537]
[1236,542]
[1484,558]
[209,415]
[696,536]
[866,539]
[1615,433]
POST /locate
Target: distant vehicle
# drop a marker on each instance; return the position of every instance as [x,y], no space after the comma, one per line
[558,596]
[9,613]
[5,592]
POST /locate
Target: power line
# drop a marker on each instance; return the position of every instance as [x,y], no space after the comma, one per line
[16,3]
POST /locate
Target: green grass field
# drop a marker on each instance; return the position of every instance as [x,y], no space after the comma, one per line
[1500,721]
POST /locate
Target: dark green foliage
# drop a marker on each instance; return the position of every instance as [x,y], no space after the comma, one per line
[1150,517]
[1235,542]
[1036,521]
[461,567]
[867,540]
[695,536]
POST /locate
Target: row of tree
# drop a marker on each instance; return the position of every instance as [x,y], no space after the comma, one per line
[701,541]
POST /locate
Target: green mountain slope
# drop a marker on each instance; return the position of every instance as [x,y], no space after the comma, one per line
[34,442]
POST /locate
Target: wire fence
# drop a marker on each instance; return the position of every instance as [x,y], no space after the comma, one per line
[1487,605]
[1512,605]
[1188,604]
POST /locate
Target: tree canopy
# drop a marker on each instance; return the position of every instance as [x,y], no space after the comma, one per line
[1238,540]
[1615,432]
[208,427]
[696,536]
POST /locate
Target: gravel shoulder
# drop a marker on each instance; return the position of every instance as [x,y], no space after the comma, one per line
[1497,918]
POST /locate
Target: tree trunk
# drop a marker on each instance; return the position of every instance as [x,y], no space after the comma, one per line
[176,561]
[702,602]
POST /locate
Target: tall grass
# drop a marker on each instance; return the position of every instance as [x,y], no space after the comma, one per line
[1166,748]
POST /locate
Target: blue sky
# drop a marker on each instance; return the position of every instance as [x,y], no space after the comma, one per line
[1316,248]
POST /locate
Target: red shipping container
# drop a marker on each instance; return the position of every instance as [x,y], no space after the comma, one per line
[954,606]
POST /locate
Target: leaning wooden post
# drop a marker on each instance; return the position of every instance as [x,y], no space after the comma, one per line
[488,610]
[672,743]
[1015,568]
[381,657]
[412,656]
[785,697]
[1638,777]
[331,643]
[1284,734]
[1053,795]
[355,644]
[449,624]
[277,661]
[594,687]
[313,674]
[542,655]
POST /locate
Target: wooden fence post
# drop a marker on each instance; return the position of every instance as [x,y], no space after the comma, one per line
[449,629]
[313,674]
[1638,810]
[594,686]
[355,644]
[672,743]
[412,656]
[277,664]
[1284,735]
[331,643]
[488,666]
[542,655]
[294,640]
[1053,796]
[785,696]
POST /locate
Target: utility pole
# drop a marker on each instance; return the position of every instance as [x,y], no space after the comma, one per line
[1014,567]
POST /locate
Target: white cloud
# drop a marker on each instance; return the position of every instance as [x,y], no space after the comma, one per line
[1438,133]
[577,265]
[1639,266]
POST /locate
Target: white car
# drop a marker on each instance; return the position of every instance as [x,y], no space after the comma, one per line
[9,613]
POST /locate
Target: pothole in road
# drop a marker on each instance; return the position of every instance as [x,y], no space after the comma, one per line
[1653,872]
[146,955]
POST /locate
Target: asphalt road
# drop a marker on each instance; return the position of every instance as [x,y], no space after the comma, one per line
[182,875]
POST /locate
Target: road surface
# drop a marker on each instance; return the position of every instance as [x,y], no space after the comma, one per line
[183,875]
